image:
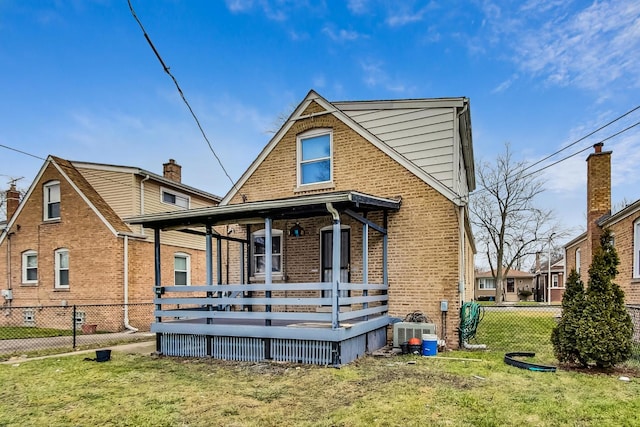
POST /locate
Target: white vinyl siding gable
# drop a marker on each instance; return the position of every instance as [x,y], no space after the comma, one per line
[423,136]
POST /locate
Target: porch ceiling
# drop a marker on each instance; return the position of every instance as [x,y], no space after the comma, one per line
[292,207]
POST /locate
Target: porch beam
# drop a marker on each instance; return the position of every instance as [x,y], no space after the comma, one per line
[218,236]
[366,221]
[268,262]
[158,280]
[335,266]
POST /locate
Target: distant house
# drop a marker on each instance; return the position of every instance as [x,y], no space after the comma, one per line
[624,226]
[543,286]
[354,213]
[514,282]
[66,243]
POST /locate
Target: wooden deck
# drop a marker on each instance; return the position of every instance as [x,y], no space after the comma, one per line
[222,326]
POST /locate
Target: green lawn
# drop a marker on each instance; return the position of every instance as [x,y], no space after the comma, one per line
[134,390]
[14,332]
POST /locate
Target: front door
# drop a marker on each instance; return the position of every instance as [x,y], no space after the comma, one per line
[326,258]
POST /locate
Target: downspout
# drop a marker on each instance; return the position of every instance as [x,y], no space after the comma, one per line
[335,265]
[146,178]
[461,272]
[126,285]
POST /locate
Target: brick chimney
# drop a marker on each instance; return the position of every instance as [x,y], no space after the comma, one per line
[13,200]
[172,171]
[598,193]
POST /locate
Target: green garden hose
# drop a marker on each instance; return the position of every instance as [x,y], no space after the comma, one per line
[471,313]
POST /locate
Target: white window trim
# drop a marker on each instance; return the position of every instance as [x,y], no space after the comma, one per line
[578,260]
[636,249]
[45,204]
[56,257]
[25,255]
[483,282]
[188,267]
[310,134]
[261,233]
[555,280]
[164,190]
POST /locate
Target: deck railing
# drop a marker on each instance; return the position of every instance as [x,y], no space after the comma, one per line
[233,302]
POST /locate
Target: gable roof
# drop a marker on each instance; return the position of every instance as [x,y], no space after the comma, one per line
[370,129]
[68,172]
[142,172]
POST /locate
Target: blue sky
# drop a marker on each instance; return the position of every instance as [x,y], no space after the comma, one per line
[79,80]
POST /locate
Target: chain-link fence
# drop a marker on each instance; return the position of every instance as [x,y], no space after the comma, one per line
[528,328]
[50,328]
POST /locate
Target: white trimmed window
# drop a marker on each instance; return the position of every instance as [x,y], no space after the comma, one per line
[61,268]
[181,269]
[51,204]
[636,249]
[578,260]
[486,283]
[30,267]
[258,250]
[315,149]
[171,197]
[554,280]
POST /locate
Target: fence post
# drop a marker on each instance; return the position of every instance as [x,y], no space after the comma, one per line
[74,327]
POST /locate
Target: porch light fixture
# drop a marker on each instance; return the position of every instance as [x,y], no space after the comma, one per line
[296,230]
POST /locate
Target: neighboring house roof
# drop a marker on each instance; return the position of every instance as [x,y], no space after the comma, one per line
[512,274]
[83,188]
[394,127]
[142,172]
[609,220]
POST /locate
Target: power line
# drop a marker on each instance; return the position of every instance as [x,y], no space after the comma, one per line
[21,152]
[193,114]
[583,138]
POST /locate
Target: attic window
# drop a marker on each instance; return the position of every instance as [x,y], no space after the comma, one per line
[51,204]
[173,198]
[315,150]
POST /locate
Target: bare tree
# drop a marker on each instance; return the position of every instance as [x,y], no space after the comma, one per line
[508,225]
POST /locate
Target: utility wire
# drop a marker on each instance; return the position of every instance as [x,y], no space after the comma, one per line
[583,138]
[581,151]
[175,82]
[21,152]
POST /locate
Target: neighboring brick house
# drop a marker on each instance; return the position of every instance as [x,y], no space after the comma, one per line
[514,282]
[66,242]
[401,168]
[624,226]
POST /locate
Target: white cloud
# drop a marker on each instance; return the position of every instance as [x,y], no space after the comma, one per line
[275,12]
[589,48]
[403,13]
[505,84]
[358,7]
[341,35]
[374,75]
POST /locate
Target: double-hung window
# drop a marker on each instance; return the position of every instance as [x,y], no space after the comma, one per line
[315,152]
[258,249]
[61,268]
[29,267]
[636,249]
[51,200]
[181,269]
[578,260]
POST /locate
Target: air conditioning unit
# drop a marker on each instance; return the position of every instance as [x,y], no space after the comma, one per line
[403,331]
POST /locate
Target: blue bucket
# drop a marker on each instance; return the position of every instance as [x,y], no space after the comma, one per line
[429,345]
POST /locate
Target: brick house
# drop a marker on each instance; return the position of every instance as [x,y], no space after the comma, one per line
[66,242]
[513,282]
[379,188]
[624,225]
[543,286]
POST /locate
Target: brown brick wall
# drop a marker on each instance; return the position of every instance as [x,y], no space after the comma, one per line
[423,234]
[623,238]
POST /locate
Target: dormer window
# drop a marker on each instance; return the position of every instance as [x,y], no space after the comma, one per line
[174,198]
[51,200]
[315,150]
